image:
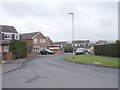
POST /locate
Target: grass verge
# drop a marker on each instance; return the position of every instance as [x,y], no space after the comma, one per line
[95,60]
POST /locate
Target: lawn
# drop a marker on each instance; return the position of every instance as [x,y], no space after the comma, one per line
[95,60]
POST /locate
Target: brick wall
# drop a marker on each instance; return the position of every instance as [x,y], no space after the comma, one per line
[32,54]
[58,52]
[7,56]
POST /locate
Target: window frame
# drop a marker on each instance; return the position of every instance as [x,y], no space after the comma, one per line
[7,36]
[35,40]
[17,36]
[42,40]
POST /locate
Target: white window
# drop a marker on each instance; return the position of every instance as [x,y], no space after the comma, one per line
[17,36]
[35,40]
[7,36]
[75,45]
[42,40]
[6,48]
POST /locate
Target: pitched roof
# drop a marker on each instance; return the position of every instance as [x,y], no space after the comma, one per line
[48,39]
[6,28]
[28,35]
[60,43]
[101,41]
[81,41]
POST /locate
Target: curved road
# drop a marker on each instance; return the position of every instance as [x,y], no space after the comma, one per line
[53,71]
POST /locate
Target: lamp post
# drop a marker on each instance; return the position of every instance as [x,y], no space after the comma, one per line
[72,31]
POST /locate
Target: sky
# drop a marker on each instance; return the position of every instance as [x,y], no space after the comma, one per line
[92,20]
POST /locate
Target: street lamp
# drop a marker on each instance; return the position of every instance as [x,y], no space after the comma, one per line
[73,31]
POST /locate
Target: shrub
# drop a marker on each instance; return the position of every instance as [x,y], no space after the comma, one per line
[107,50]
[68,48]
[18,48]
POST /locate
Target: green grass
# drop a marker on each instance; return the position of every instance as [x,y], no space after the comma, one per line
[90,59]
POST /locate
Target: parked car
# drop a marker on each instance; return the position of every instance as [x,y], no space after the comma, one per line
[49,51]
[87,51]
[82,51]
[46,52]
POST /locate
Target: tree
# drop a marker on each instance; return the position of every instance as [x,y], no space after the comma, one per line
[68,48]
[18,48]
[117,42]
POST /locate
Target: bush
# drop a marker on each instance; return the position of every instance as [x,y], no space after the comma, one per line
[68,48]
[107,50]
[18,48]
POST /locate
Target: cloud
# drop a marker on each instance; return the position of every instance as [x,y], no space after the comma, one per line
[93,20]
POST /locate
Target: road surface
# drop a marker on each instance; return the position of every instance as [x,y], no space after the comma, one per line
[53,71]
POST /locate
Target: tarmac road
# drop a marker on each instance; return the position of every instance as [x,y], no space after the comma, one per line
[52,71]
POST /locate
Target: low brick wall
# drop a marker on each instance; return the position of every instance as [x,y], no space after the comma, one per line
[32,54]
[58,52]
[7,56]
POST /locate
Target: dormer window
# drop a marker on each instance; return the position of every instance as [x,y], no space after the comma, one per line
[7,36]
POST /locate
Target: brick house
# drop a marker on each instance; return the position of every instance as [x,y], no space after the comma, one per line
[36,41]
[81,43]
[7,33]
[60,43]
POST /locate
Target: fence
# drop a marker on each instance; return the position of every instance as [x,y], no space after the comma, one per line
[112,50]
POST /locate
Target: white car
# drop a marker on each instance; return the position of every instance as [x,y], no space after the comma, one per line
[49,51]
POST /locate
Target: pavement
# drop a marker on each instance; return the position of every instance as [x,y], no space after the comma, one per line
[52,71]
[12,65]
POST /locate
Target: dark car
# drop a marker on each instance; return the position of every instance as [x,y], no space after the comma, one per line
[80,51]
[46,52]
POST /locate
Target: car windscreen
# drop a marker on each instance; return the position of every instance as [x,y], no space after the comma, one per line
[80,49]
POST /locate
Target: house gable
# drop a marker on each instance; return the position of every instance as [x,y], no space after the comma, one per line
[38,34]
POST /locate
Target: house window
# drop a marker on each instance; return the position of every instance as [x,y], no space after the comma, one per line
[7,36]
[6,48]
[17,37]
[42,40]
[75,45]
[35,40]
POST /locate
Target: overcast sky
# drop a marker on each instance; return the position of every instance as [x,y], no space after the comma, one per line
[93,20]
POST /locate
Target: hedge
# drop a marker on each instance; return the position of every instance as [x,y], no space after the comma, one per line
[112,50]
[68,48]
[18,48]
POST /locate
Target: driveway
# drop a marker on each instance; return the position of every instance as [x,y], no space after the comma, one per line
[53,71]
